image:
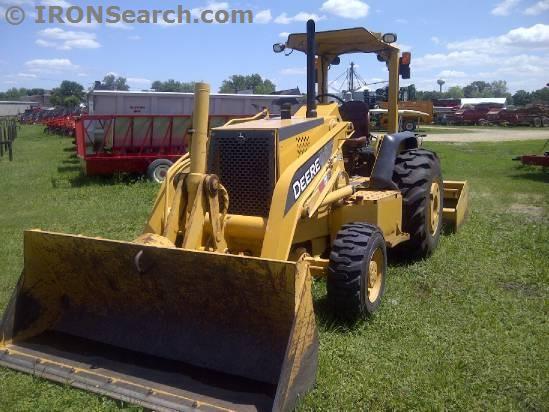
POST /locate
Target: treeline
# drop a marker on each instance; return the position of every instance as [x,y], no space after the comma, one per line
[16,94]
[496,88]
[252,83]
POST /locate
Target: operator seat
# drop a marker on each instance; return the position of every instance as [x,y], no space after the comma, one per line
[357,112]
[357,152]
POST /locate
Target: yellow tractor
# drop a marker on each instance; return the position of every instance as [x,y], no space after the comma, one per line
[211,308]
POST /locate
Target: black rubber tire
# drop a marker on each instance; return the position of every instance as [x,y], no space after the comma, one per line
[409,126]
[347,276]
[153,169]
[537,122]
[415,171]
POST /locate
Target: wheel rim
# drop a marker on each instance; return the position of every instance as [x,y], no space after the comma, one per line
[160,173]
[376,271]
[435,196]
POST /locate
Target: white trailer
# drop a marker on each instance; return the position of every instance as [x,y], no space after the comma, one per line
[108,102]
[14,108]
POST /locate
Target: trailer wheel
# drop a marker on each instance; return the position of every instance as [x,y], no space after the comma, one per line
[545,121]
[356,273]
[157,170]
[418,176]
[538,122]
[409,125]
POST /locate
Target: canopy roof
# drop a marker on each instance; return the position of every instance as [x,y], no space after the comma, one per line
[337,42]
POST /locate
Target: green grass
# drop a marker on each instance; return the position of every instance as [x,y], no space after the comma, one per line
[435,129]
[465,329]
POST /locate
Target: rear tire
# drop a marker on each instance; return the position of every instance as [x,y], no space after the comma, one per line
[538,122]
[409,126]
[418,177]
[356,273]
[157,170]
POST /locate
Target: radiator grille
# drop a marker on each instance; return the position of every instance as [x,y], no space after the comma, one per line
[245,164]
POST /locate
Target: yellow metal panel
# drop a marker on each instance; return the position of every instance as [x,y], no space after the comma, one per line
[282,222]
[380,208]
[392,102]
[336,42]
[456,203]
[247,317]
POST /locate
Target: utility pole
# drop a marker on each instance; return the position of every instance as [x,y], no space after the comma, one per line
[352,78]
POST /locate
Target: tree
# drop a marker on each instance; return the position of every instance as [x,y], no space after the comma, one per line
[111,82]
[454,92]
[254,82]
[541,96]
[428,95]
[499,88]
[14,93]
[36,91]
[172,85]
[522,98]
[68,94]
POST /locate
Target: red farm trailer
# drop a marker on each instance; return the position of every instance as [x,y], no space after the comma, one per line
[144,144]
[536,160]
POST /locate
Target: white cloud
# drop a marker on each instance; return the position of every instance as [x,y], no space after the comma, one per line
[50,65]
[120,26]
[212,5]
[134,37]
[263,16]
[505,7]
[535,37]
[294,71]
[435,40]
[452,59]
[401,21]
[538,8]
[299,17]
[61,3]
[284,34]
[66,39]
[27,75]
[82,74]
[451,74]
[138,81]
[349,9]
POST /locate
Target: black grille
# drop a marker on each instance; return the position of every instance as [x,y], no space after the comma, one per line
[245,164]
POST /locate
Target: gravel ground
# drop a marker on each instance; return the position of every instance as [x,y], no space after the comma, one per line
[490,135]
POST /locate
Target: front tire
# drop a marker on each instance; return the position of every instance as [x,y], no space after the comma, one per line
[356,273]
[157,170]
[419,179]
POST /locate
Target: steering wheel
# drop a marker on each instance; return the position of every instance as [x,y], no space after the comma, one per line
[339,99]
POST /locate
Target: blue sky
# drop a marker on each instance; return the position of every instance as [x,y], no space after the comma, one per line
[458,41]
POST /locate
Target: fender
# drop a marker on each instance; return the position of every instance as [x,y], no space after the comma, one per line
[382,173]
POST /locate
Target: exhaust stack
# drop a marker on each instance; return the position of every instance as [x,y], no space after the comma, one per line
[311,70]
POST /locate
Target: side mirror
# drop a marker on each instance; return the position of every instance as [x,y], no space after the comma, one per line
[335,61]
[279,47]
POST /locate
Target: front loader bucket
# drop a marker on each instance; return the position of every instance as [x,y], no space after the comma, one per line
[456,203]
[161,327]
